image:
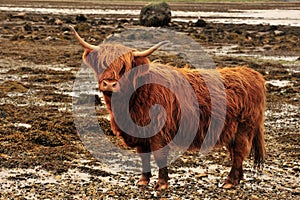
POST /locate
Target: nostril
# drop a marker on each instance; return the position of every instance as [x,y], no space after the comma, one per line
[109,85]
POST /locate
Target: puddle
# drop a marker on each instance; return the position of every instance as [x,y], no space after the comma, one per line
[279,83]
[283,116]
[76,94]
[22,125]
[273,17]
[21,178]
[9,64]
[264,57]
[232,51]
[5,175]
[294,71]
[18,80]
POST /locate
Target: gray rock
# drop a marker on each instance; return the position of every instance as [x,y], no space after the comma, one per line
[20,15]
[155,14]
[278,33]
[81,18]
[200,23]
[27,27]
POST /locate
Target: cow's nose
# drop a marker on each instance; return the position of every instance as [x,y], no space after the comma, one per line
[110,86]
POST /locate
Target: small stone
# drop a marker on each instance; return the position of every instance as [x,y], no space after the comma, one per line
[279,33]
[14,38]
[50,20]
[201,175]
[200,23]
[4,156]
[27,27]
[285,164]
[296,168]
[254,197]
[111,193]
[58,22]
[81,18]
[58,177]
[48,38]
[20,15]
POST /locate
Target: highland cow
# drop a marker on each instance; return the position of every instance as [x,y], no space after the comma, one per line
[243,92]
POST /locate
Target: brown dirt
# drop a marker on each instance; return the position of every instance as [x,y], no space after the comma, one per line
[33,93]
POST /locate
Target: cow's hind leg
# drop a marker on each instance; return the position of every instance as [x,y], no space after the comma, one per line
[240,149]
[160,157]
[145,153]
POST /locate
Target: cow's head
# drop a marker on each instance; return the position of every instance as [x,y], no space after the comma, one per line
[111,61]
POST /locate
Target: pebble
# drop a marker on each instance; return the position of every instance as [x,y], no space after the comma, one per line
[254,197]
[81,18]
[200,23]
[27,27]
[20,15]
[58,22]
[278,33]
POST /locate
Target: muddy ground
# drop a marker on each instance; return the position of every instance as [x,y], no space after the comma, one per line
[41,155]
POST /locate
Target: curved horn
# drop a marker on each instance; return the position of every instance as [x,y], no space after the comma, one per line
[81,41]
[149,51]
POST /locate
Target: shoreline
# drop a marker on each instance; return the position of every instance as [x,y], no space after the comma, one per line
[213,7]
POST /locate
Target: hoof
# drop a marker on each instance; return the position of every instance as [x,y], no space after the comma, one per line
[161,186]
[144,179]
[143,182]
[227,186]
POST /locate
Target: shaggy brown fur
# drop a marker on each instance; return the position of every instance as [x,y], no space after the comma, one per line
[244,118]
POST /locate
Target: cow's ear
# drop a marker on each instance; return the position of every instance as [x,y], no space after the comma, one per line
[139,61]
[90,58]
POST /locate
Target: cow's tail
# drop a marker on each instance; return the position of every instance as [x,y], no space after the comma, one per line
[258,147]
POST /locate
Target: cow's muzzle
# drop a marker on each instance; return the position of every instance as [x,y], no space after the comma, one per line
[109,86]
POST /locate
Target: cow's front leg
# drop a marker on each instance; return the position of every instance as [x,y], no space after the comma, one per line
[144,152]
[160,157]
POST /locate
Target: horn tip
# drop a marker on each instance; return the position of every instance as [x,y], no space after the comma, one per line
[165,42]
[162,43]
[72,28]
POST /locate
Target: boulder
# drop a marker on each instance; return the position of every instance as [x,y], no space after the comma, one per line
[155,14]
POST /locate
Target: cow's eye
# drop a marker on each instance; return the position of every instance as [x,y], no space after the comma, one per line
[122,70]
